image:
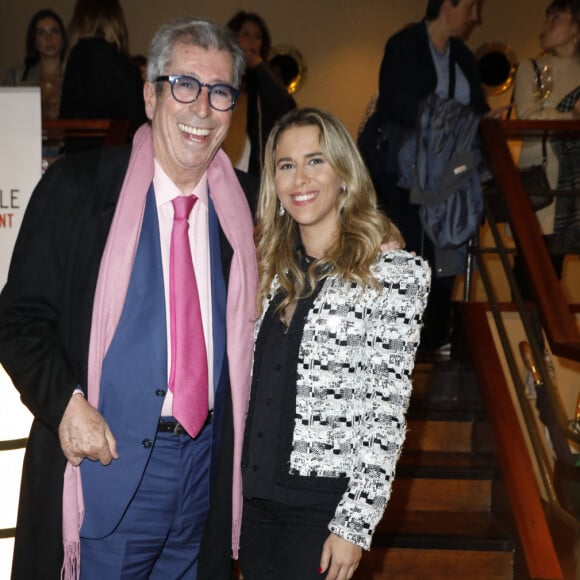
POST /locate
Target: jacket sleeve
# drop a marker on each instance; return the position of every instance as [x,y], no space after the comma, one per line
[31,303]
[392,338]
[470,68]
[406,77]
[46,304]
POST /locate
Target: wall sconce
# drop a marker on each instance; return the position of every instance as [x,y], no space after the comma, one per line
[288,63]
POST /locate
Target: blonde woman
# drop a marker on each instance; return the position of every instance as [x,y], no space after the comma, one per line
[100,79]
[338,327]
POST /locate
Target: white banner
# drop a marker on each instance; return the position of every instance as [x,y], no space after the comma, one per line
[20,162]
[20,170]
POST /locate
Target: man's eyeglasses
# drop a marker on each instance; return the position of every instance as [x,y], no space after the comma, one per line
[186,89]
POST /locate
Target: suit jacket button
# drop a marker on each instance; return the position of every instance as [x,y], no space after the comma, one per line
[147,443]
[160,392]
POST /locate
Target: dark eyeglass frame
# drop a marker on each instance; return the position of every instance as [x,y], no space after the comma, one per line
[172,79]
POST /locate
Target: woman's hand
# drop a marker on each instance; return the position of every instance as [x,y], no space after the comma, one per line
[391,244]
[340,557]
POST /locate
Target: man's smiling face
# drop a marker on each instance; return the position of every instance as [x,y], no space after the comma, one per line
[187,136]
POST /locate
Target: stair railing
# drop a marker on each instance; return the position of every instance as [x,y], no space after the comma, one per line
[558,321]
[551,305]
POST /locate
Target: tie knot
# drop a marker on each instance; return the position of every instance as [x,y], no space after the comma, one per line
[182,206]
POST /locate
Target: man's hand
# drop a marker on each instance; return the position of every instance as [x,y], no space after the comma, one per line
[342,556]
[84,433]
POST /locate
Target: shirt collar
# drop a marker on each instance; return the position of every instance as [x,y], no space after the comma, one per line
[166,190]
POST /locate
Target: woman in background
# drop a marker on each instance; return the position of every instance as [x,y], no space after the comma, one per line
[264,98]
[100,79]
[338,327]
[45,50]
[560,43]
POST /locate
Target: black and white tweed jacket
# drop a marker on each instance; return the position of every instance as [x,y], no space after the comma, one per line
[353,386]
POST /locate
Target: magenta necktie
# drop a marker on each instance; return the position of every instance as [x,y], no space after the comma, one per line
[188,379]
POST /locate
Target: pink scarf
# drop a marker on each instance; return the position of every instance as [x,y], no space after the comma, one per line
[112,284]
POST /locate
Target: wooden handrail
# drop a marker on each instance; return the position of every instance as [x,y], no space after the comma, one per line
[112,131]
[530,519]
[559,323]
[534,128]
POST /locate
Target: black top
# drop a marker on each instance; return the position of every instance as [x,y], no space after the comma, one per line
[268,100]
[272,409]
[408,74]
[407,77]
[102,83]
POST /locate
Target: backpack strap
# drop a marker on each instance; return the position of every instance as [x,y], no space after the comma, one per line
[451,90]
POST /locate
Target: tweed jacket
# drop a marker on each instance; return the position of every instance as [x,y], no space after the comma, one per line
[353,386]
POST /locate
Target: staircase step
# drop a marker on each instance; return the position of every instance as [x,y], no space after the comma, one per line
[450,380]
[407,564]
[479,531]
[439,435]
[439,481]
[422,378]
[438,524]
[462,495]
[443,465]
[434,545]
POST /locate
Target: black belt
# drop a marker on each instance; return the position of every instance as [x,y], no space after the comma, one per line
[170,425]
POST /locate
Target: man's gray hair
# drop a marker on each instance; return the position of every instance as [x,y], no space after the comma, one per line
[196,32]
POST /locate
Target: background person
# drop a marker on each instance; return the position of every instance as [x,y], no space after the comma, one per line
[89,310]
[264,98]
[560,43]
[43,64]
[337,332]
[100,81]
[419,60]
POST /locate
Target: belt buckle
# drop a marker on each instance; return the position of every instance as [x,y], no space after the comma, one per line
[179,430]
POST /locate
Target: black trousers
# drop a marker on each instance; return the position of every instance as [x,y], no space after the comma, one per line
[437,316]
[283,542]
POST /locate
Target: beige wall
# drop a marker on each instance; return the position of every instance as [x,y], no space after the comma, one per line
[342,40]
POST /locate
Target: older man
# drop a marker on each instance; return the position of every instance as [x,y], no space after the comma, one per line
[129,307]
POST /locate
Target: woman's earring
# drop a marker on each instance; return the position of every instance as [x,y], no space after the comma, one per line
[281,210]
[343,189]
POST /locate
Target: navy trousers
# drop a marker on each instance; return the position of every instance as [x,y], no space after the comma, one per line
[160,534]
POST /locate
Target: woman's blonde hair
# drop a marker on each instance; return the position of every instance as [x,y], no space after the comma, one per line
[362,227]
[101,18]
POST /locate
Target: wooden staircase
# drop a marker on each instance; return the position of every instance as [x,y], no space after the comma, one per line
[439,523]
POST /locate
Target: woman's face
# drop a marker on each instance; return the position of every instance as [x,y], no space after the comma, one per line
[307,185]
[49,40]
[250,38]
[560,34]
